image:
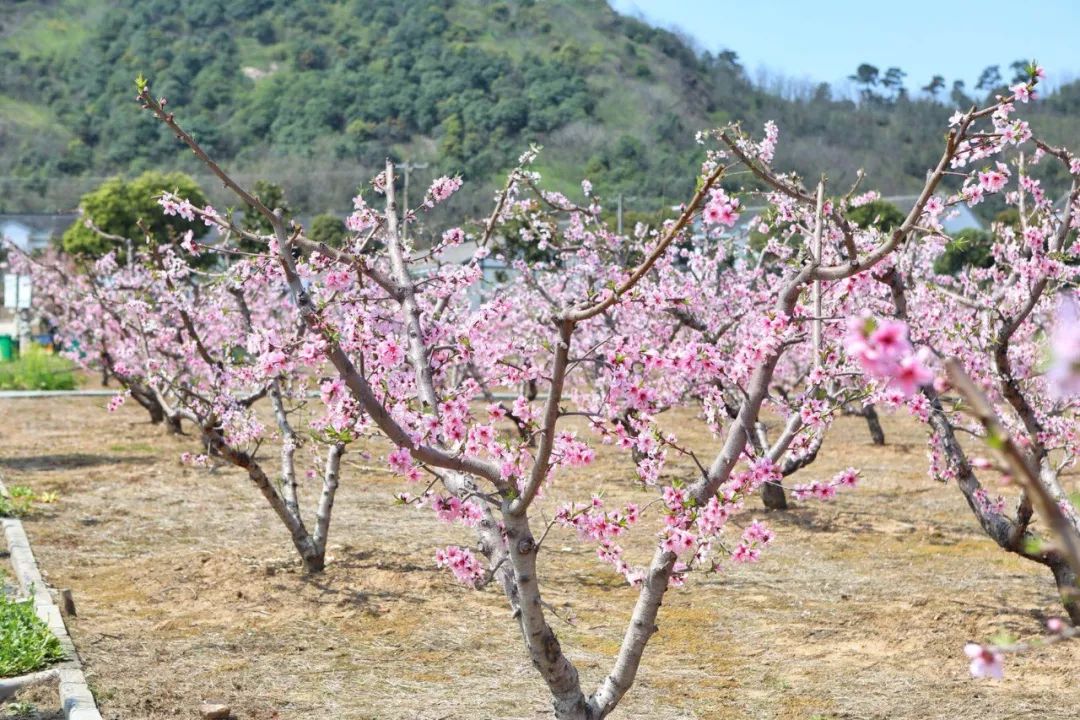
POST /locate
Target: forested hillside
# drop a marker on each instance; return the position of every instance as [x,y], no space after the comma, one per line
[314,94]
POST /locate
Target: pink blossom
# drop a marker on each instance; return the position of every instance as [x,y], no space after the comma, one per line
[721,209]
[453,237]
[677,541]
[188,243]
[674,498]
[911,375]
[400,460]
[884,351]
[986,662]
[1064,372]
[389,353]
[379,183]
[890,337]
[272,362]
[447,507]
[847,478]
[175,206]
[934,206]
[442,188]
[992,180]
[744,553]
[461,561]
[572,451]
[758,533]
[338,280]
[995,506]
[973,194]
[362,219]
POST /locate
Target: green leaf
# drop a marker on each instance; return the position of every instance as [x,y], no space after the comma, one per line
[1032,545]
[1003,637]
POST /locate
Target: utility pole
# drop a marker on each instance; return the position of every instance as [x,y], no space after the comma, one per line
[406,168]
[619,200]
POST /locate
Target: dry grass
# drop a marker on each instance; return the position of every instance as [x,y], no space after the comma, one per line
[187,589]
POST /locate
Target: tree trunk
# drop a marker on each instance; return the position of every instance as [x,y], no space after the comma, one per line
[1068,588]
[172,425]
[873,422]
[311,553]
[544,650]
[773,495]
[313,558]
[150,404]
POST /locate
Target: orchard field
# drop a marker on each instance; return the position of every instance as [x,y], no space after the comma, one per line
[782,449]
[858,614]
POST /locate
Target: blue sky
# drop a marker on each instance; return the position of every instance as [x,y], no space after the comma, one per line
[956,39]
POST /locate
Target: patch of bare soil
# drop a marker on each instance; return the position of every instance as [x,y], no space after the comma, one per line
[188,590]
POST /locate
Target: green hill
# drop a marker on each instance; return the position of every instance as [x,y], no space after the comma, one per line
[314,94]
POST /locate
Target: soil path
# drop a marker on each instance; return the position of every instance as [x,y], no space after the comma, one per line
[187,590]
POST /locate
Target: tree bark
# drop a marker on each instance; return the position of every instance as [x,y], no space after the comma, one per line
[544,649]
[873,423]
[150,404]
[641,628]
[172,425]
[311,555]
[773,495]
[1068,589]
[312,558]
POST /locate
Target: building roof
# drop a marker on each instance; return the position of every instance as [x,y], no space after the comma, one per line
[34,231]
[958,217]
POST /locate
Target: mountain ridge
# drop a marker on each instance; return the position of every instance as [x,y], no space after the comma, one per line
[314,94]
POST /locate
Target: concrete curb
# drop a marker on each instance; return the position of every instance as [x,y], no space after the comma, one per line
[75,696]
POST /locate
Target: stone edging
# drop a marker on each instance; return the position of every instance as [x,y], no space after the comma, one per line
[75,696]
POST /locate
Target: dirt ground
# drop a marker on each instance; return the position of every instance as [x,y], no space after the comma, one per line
[188,590]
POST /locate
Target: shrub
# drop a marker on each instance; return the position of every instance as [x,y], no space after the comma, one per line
[18,501]
[969,248]
[26,644]
[37,370]
[880,214]
[329,229]
[118,205]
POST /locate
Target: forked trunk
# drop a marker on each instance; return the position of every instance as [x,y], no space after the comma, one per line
[544,650]
[313,558]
